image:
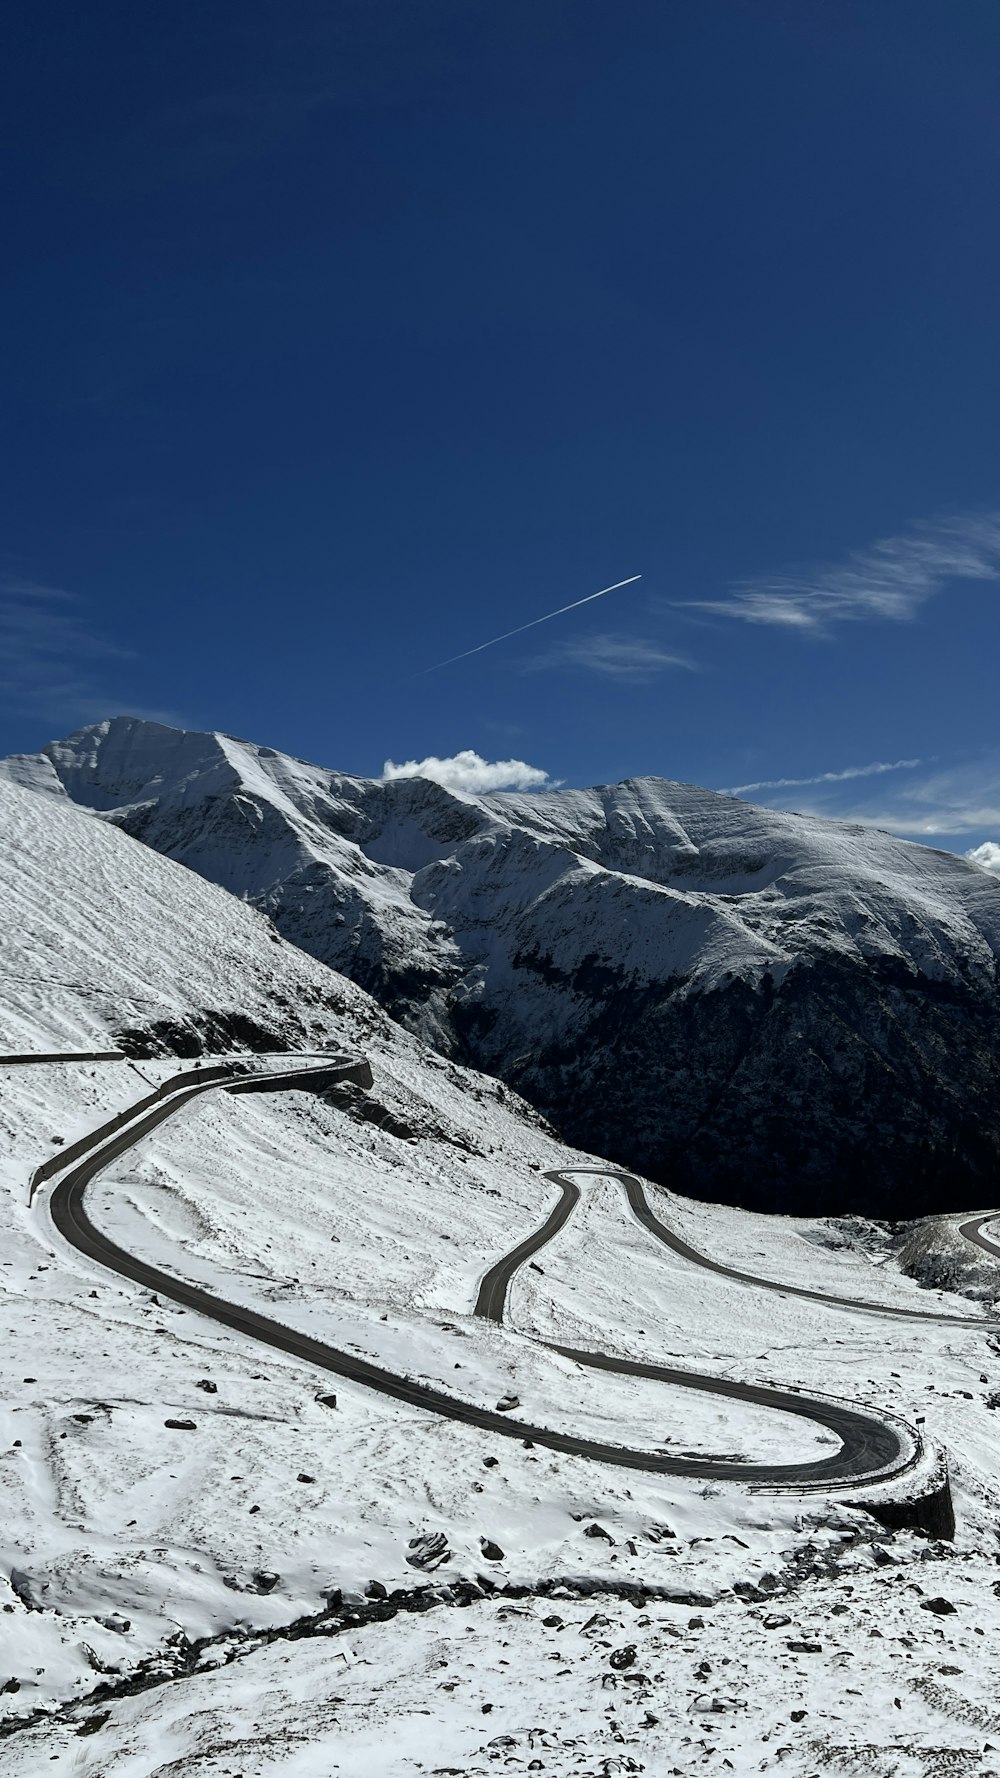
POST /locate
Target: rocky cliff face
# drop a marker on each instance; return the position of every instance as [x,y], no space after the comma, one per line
[758,1008]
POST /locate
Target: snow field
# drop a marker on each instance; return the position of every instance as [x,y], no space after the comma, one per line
[849,1675]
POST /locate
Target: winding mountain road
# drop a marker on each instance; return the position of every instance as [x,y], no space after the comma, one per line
[871,1447]
[972,1229]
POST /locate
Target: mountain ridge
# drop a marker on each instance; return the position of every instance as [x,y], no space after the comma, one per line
[764,1008]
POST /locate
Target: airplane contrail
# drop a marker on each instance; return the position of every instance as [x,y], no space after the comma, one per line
[521,627]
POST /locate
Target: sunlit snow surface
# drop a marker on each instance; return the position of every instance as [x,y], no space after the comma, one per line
[294,1206]
[887,1689]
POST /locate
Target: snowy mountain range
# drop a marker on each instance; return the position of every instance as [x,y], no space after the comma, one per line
[755,1007]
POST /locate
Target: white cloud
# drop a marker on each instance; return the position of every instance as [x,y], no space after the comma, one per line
[891,579]
[617,657]
[874,770]
[468,771]
[988,855]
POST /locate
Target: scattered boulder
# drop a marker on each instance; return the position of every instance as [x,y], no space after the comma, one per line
[620,1658]
[207,1385]
[596,1530]
[375,1590]
[92,1723]
[181,1425]
[428,1550]
[491,1551]
[327,1401]
[303,1477]
[941,1607]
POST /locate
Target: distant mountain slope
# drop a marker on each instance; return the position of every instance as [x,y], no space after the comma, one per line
[763,1008]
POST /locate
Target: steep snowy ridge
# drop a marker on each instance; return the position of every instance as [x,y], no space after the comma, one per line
[100,937]
[270,829]
[759,1007]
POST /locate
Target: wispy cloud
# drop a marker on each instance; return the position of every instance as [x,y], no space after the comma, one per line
[615,656]
[875,770]
[468,771]
[939,802]
[53,663]
[47,651]
[890,580]
[957,799]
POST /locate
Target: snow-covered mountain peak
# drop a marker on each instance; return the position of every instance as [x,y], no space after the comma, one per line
[668,971]
[126,762]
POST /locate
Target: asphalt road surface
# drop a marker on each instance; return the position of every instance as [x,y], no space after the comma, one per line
[869,1446]
[492,1299]
[973,1231]
[640,1209]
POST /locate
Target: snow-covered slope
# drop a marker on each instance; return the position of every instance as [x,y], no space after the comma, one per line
[99,937]
[758,1007]
[162,1478]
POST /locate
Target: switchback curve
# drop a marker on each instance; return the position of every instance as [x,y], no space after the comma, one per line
[643,1214]
[870,1449]
[972,1229]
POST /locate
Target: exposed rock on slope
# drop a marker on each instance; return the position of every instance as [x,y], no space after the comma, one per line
[755,1007]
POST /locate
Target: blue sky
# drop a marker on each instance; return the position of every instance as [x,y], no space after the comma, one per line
[344,337]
